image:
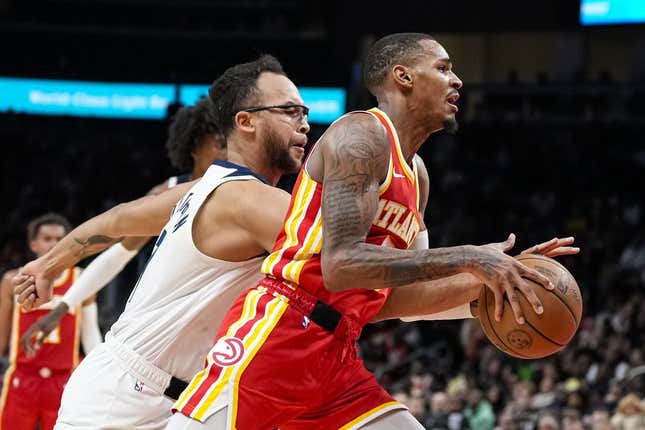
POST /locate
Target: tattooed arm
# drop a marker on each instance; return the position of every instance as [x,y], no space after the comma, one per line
[354,155]
[143,217]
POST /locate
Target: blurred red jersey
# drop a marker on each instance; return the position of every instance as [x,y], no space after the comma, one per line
[33,386]
[296,255]
[60,349]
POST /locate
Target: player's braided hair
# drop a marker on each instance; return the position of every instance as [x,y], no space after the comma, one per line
[237,89]
[50,218]
[189,125]
[399,48]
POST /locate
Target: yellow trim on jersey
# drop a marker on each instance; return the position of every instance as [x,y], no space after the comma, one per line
[63,278]
[390,164]
[312,245]
[8,376]
[371,414]
[303,197]
[279,309]
[77,336]
[388,179]
[248,313]
[255,339]
[397,145]
[13,357]
[78,319]
[15,334]
[415,169]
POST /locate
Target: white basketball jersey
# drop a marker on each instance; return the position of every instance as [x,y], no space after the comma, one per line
[176,308]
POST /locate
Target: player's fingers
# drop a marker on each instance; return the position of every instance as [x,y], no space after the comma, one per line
[566,240]
[511,293]
[499,303]
[557,243]
[26,293]
[534,275]
[539,248]
[28,304]
[40,338]
[527,290]
[26,343]
[19,279]
[509,243]
[546,246]
[563,250]
[24,285]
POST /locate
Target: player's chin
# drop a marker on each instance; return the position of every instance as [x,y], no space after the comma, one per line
[450,124]
[294,163]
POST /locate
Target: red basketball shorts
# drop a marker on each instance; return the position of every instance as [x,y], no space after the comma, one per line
[31,395]
[273,367]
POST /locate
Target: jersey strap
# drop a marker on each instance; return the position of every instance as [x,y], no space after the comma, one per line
[239,170]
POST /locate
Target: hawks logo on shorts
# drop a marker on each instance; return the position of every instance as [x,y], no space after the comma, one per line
[227,351]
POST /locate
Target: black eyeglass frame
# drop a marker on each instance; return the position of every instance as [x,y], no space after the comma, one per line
[305,109]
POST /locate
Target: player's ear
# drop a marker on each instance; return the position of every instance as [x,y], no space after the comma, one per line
[244,121]
[402,76]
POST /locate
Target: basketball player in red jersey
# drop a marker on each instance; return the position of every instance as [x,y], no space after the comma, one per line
[286,351]
[34,383]
[194,142]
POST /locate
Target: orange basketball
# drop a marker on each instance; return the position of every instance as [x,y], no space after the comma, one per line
[540,335]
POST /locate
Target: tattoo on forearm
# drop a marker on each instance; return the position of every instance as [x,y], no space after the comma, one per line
[94,243]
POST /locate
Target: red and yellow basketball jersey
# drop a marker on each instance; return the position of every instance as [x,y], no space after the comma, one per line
[296,255]
[59,351]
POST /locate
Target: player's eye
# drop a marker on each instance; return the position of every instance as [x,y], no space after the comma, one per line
[293,111]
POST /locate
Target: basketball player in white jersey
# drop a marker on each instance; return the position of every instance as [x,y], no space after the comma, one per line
[203,259]
[206,254]
[193,143]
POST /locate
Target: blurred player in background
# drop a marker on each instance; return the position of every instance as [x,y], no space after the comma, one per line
[34,382]
[194,142]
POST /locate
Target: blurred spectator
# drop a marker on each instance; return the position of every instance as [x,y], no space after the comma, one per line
[479,411]
[439,411]
[548,421]
[630,414]
[599,420]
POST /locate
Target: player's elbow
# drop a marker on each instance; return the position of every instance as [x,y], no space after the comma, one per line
[334,270]
[116,220]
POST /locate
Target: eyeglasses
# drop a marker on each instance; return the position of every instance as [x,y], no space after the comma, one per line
[296,112]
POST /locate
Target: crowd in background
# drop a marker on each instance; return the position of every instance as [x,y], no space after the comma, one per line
[496,176]
[538,181]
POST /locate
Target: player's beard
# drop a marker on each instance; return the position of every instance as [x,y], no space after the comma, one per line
[279,154]
[451,125]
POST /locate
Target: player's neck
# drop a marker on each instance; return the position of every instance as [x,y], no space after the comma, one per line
[411,127]
[199,171]
[250,159]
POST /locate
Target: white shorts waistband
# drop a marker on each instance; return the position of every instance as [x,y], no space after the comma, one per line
[144,370]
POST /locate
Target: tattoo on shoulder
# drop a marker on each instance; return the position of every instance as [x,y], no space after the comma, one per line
[358,149]
[356,161]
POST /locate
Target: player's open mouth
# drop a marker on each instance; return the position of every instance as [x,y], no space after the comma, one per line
[452,99]
[299,147]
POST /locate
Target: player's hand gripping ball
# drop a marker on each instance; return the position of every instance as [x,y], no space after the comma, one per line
[540,335]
